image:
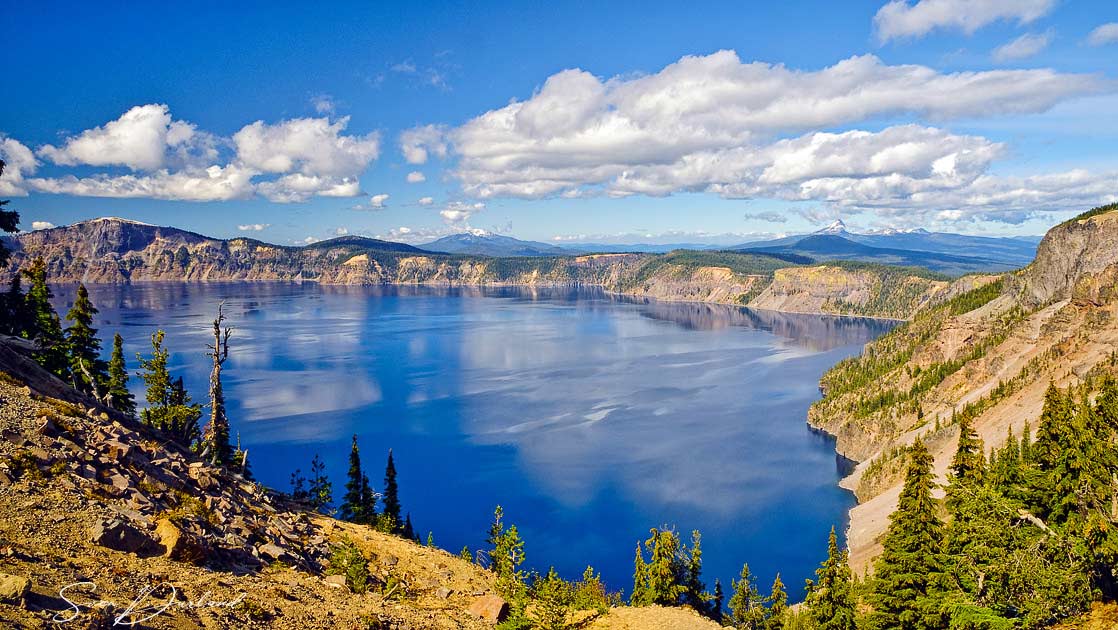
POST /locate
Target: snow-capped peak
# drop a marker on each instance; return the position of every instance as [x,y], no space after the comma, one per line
[115,220]
[837,227]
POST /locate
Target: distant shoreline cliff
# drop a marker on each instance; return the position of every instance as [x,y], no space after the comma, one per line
[118,251]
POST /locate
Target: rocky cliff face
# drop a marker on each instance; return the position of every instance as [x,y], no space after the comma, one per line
[990,353]
[1077,248]
[120,251]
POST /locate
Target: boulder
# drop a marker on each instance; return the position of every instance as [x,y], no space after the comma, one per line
[117,534]
[13,588]
[490,608]
[178,544]
[337,581]
[443,592]
[275,553]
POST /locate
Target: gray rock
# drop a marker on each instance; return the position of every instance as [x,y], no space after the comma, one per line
[337,581]
[119,535]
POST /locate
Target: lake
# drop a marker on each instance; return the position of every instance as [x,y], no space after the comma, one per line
[589,417]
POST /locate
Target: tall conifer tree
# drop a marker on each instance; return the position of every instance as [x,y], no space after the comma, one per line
[87,370]
[776,618]
[391,497]
[354,504]
[44,325]
[747,608]
[122,399]
[830,597]
[909,570]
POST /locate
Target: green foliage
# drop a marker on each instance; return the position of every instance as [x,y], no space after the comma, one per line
[969,463]
[122,399]
[694,593]
[506,554]
[680,262]
[170,409]
[320,493]
[359,503]
[554,598]
[346,559]
[907,573]
[830,602]
[590,593]
[391,496]
[661,580]
[776,618]
[15,316]
[88,371]
[1091,213]
[747,606]
[44,326]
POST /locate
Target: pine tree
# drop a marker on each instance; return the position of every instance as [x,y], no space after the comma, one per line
[969,462]
[215,440]
[778,606]
[695,594]
[87,370]
[639,596]
[830,598]
[9,222]
[391,497]
[717,602]
[44,326]
[665,570]
[506,554]
[299,486]
[747,609]
[169,407]
[908,572]
[122,399]
[355,503]
[15,320]
[321,490]
[408,531]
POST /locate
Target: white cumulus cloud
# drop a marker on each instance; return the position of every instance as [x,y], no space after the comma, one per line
[418,143]
[215,183]
[311,146]
[416,177]
[426,201]
[1103,34]
[716,124]
[19,161]
[41,225]
[378,201]
[143,138]
[254,227]
[901,18]
[459,212]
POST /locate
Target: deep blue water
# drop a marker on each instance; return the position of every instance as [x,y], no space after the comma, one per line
[590,418]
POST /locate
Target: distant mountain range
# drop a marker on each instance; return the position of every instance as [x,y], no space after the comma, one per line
[946,253]
[953,254]
[479,243]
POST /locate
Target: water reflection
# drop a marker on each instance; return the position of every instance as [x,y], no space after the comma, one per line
[590,417]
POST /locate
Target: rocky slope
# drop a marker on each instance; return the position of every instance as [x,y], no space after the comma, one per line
[97,513]
[989,353]
[119,251]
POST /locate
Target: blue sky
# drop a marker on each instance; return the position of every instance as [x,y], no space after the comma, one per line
[703,121]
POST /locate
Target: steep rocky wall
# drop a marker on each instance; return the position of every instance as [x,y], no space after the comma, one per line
[120,251]
[1053,322]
